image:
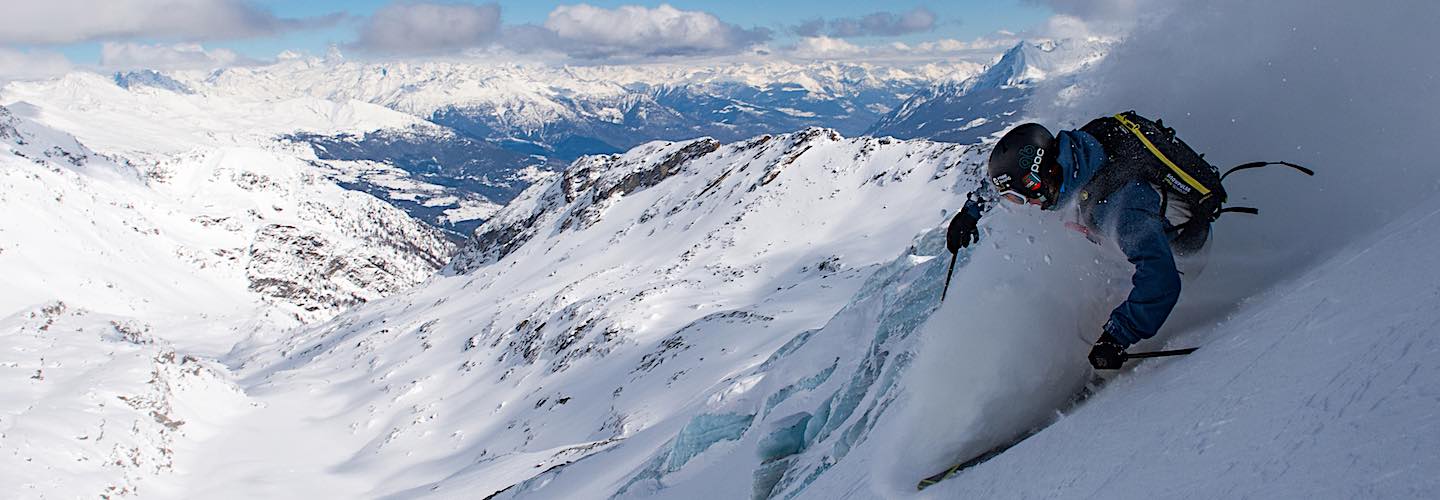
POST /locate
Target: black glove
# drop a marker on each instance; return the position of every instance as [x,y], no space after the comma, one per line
[1108,353]
[962,230]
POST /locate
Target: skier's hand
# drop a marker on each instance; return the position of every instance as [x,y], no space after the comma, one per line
[963,230]
[1107,354]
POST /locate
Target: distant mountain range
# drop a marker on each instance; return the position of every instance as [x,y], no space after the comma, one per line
[491,129]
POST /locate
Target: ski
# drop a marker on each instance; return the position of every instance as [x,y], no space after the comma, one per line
[1085,392]
[1089,390]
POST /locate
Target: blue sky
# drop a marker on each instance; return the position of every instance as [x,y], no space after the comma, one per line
[953,19]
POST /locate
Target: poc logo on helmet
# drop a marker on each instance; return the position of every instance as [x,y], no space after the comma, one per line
[1033,156]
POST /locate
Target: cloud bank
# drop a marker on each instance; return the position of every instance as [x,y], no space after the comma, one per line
[429,27]
[28,65]
[123,56]
[917,20]
[591,32]
[47,22]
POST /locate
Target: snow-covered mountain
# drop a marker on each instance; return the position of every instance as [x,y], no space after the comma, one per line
[708,318]
[573,110]
[600,313]
[672,322]
[116,262]
[232,217]
[480,132]
[502,120]
[969,110]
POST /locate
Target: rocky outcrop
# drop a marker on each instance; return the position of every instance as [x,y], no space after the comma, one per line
[579,196]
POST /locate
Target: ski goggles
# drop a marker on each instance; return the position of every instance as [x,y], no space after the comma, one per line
[1019,199]
[1032,183]
[1014,197]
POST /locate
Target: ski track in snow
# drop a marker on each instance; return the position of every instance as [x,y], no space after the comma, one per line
[1303,393]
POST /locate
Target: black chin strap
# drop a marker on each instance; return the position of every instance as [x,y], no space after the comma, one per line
[1258,164]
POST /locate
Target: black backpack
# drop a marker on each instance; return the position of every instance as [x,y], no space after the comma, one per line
[1137,148]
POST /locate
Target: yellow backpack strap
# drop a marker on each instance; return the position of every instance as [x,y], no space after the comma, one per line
[1135,129]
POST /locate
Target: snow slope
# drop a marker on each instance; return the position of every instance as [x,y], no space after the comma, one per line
[611,308]
[599,389]
[1316,389]
[129,272]
[883,386]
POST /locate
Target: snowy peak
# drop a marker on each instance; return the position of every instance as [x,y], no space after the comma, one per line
[150,78]
[1030,62]
[975,108]
[1019,65]
[582,194]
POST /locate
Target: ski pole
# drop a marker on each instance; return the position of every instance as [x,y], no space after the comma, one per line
[949,273]
[1159,354]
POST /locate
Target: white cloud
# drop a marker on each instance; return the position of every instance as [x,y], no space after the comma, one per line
[824,47]
[829,48]
[950,45]
[69,21]
[28,65]
[1095,10]
[165,57]
[429,27]
[587,31]
[917,20]
[1093,18]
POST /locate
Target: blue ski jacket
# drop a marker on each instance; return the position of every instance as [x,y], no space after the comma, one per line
[1132,216]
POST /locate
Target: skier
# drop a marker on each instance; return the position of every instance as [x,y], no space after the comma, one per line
[1102,168]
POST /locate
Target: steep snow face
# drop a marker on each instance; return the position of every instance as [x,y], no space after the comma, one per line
[124,278]
[1324,387]
[969,110]
[623,309]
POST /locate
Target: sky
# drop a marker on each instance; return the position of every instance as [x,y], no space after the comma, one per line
[46,36]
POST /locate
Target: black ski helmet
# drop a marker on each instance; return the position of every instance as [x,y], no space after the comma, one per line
[1024,162]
